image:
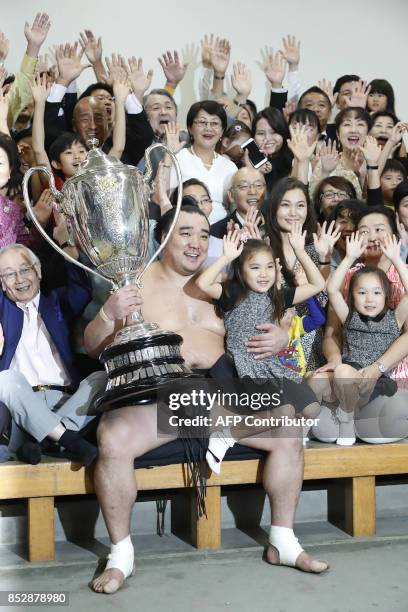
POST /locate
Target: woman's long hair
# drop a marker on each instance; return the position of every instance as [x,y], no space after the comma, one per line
[14,183]
[251,247]
[273,229]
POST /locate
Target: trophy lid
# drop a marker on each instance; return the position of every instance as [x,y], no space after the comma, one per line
[97,161]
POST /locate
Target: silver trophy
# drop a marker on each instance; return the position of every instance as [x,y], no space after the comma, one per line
[106,205]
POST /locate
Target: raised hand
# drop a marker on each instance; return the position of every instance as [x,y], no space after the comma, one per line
[140,81]
[121,87]
[173,70]
[208,44]
[44,207]
[37,33]
[358,161]
[328,155]
[291,51]
[288,109]
[3,76]
[220,56]
[371,151]
[161,184]
[232,245]
[403,233]
[40,88]
[355,246]
[391,248]
[172,133]
[298,143]
[69,63]
[91,46]
[241,80]
[326,86]
[397,133]
[325,240]
[116,66]
[359,95]
[296,237]
[4,47]
[253,220]
[274,68]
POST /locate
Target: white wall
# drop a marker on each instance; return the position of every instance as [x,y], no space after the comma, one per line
[367,37]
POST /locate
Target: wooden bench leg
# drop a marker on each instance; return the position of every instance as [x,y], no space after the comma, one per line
[201,533]
[351,505]
[41,539]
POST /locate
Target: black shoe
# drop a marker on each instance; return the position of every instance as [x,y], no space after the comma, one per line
[29,452]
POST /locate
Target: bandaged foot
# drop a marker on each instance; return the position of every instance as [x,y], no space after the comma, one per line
[218,444]
[285,549]
[347,434]
[120,566]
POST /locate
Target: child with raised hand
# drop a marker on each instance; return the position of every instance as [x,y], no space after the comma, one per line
[370,327]
[252,296]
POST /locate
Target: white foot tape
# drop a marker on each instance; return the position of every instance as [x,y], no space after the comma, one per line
[218,444]
[122,557]
[286,543]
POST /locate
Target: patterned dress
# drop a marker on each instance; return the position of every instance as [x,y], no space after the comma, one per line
[12,228]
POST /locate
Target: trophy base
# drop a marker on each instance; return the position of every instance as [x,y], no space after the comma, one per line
[139,364]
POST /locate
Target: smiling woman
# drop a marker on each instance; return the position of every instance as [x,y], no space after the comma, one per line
[206,122]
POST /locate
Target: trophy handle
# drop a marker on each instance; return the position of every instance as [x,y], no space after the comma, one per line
[146,177]
[59,197]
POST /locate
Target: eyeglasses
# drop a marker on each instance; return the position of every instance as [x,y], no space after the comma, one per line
[332,195]
[246,186]
[9,277]
[203,124]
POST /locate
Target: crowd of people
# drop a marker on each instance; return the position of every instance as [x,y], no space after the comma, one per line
[289,268]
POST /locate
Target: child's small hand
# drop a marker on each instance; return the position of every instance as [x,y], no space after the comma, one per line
[297,238]
[286,320]
[232,245]
[355,246]
[391,248]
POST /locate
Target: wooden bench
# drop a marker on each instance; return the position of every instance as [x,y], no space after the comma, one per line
[349,474]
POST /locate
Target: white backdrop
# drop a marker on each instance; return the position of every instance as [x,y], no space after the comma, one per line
[366,37]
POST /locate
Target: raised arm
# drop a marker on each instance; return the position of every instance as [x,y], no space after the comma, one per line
[354,249]
[302,152]
[209,281]
[92,47]
[316,281]
[121,92]
[40,91]
[391,248]
[173,69]
[220,57]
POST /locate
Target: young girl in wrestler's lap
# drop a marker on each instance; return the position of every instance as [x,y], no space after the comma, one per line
[370,326]
[252,296]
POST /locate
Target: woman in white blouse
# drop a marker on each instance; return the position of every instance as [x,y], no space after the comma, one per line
[206,122]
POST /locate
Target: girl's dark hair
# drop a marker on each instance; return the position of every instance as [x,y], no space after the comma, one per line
[189,183]
[305,116]
[13,185]
[236,129]
[252,108]
[188,205]
[382,86]
[385,284]
[251,247]
[273,229]
[395,166]
[338,182]
[356,113]
[380,210]
[282,160]
[209,106]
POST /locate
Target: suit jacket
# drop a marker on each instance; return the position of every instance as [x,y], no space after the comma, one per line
[219,229]
[57,309]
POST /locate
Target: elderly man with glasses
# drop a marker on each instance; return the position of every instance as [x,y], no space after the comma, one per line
[39,383]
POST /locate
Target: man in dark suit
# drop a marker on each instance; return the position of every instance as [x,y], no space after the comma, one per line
[247,189]
[39,382]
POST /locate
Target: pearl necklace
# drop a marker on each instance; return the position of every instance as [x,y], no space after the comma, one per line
[208,166]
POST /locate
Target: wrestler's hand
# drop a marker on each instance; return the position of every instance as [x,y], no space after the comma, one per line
[270,342]
[123,302]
